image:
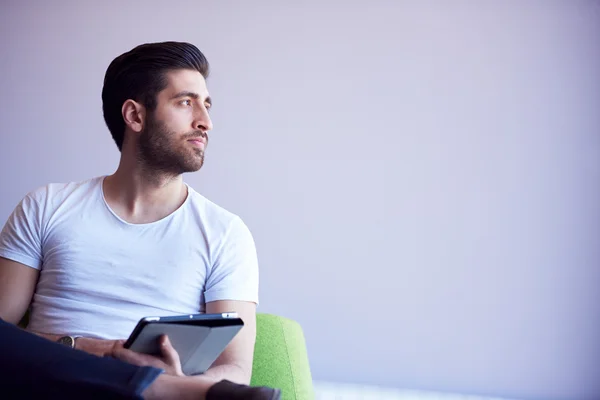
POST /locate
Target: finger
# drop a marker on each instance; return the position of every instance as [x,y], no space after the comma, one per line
[118,344]
[133,357]
[168,352]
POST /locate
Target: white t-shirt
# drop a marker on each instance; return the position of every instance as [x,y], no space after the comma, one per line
[99,274]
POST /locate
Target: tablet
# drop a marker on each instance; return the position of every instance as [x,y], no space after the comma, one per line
[198,338]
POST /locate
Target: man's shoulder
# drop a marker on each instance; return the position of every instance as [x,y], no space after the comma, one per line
[58,191]
[211,212]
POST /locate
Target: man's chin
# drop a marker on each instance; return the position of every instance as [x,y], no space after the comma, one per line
[194,167]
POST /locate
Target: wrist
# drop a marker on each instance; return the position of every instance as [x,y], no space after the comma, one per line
[82,343]
[76,340]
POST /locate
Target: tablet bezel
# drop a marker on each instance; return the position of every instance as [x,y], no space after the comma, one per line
[206,320]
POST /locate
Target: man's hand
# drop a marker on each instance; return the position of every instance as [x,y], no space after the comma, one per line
[168,360]
[98,347]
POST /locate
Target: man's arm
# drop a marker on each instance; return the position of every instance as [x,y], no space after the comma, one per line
[17,284]
[235,363]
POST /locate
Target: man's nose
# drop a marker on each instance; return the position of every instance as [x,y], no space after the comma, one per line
[203,122]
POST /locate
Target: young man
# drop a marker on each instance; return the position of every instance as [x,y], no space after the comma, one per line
[91,258]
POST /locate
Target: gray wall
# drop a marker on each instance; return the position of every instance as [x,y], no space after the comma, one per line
[422,178]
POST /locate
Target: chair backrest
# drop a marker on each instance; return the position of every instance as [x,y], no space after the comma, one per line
[280,357]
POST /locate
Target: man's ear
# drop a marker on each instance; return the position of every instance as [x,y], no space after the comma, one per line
[134,115]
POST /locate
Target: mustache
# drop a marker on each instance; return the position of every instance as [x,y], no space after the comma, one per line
[196,134]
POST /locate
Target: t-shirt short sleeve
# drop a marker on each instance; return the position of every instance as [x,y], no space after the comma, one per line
[20,239]
[234,274]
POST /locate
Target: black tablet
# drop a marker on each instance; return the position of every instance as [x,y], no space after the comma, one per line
[198,338]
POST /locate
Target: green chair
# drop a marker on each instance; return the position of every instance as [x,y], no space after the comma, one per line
[280,358]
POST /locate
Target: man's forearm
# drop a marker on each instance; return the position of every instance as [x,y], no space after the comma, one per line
[52,338]
[96,347]
[231,372]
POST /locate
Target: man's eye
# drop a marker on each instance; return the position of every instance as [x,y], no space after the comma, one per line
[186,102]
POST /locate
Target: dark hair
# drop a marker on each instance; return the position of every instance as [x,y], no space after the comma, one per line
[140,74]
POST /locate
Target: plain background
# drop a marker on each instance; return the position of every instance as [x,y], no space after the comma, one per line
[421,178]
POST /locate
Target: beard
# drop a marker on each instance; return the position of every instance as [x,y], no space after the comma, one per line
[164,151]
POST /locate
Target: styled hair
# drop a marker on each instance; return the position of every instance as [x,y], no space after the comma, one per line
[140,74]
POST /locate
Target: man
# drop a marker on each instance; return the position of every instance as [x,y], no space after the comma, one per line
[91,258]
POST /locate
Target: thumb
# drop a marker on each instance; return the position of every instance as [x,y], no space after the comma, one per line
[168,352]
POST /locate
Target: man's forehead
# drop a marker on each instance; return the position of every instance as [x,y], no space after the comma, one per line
[186,80]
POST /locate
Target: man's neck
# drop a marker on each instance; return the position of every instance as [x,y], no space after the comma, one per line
[139,196]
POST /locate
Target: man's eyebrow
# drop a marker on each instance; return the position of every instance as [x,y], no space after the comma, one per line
[193,95]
